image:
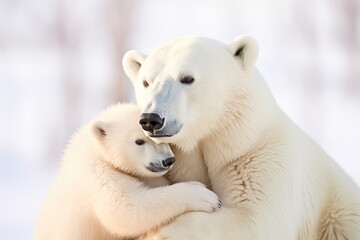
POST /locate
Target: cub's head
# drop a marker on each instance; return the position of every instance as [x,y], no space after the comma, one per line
[184,86]
[123,144]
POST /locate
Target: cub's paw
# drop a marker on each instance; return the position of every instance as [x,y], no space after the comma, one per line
[198,198]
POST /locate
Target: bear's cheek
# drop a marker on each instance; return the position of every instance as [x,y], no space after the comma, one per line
[141,97]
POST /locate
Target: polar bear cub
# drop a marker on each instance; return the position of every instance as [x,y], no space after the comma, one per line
[110,184]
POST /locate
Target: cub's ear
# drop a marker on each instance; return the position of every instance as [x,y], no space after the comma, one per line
[132,61]
[100,130]
[245,48]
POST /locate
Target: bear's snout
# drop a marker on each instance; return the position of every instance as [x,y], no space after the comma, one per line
[151,121]
[168,162]
[161,166]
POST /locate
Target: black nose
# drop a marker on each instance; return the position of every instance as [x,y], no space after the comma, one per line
[151,121]
[168,162]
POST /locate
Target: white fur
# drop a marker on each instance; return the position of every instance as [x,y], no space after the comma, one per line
[105,191]
[275,182]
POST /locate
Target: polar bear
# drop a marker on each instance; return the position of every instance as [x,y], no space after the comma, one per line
[109,183]
[210,102]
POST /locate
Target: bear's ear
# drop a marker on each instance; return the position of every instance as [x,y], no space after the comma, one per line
[100,130]
[132,61]
[245,48]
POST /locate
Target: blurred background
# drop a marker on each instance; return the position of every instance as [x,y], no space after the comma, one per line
[60,64]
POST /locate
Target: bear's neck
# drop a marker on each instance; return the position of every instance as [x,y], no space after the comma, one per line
[250,122]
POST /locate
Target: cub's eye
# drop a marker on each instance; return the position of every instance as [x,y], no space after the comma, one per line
[187,80]
[139,141]
[145,84]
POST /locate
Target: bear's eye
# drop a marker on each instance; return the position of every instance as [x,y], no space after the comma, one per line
[139,141]
[187,80]
[145,84]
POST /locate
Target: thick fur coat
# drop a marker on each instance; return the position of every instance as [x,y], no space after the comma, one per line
[228,132]
[110,184]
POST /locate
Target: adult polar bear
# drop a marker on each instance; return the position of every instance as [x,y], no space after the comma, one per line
[275,182]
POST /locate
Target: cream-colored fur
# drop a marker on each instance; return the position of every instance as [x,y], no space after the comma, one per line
[104,189]
[274,181]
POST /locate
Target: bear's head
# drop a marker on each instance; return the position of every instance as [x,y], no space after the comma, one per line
[185,85]
[121,142]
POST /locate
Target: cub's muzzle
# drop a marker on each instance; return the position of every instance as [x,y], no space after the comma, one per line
[168,162]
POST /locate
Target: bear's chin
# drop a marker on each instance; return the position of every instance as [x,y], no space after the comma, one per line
[164,136]
[160,136]
[161,139]
[185,144]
